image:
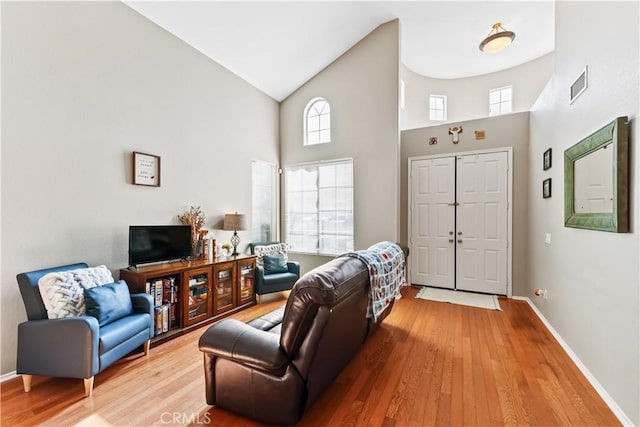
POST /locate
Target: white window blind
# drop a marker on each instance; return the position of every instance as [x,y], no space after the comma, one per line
[263,197]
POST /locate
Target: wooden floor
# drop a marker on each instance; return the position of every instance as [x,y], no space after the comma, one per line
[431,363]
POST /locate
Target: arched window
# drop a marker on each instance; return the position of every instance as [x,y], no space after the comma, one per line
[317,122]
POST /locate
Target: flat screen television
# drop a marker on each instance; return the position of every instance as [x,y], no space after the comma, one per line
[154,243]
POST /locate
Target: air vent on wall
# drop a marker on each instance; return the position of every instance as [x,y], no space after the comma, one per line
[579,85]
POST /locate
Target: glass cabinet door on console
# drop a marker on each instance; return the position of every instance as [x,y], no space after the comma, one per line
[245,281]
[224,275]
[197,296]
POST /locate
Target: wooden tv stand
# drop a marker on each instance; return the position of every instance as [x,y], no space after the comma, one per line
[188,295]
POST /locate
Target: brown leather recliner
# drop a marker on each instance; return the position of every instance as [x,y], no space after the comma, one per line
[275,367]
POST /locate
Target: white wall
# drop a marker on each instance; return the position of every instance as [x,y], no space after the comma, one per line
[85,84]
[468,98]
[362,87]
[509,130]
[592,277]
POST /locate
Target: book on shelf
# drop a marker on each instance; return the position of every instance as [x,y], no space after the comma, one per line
[165,318]
[158,320]
[164,293]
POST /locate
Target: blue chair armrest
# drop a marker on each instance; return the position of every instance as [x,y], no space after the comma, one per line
[258,276]
[294,267]
[142,303]
[65,347]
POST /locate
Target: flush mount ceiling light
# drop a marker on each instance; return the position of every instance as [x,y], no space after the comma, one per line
[498,39]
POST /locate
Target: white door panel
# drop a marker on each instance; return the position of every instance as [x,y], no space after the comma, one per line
[432,222]
[482,219]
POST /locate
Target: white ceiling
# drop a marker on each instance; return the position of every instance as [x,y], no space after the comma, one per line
[278,46]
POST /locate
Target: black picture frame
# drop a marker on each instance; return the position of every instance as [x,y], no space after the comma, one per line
[546,160]
[546,188]
[146,169]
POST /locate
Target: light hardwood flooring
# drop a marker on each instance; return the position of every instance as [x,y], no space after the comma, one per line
[430,363]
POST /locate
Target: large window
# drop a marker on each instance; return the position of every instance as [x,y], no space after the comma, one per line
[500,100]
[438,107]
[263,206]
[317,122]
[319,207]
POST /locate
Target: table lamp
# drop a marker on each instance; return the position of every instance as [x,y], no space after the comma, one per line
[234,222]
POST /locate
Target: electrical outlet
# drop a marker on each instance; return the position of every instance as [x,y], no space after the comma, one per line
[544,293]
[547,238]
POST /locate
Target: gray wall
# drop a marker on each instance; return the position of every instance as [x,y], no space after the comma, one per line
[362,87]
[83,85]
[511,130]
[592,277]
[468,98]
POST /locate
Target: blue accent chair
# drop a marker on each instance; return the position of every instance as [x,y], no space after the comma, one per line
[267,283]
[75,347]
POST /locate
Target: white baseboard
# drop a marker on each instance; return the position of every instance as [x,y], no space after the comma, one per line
[8,376]
[617,411]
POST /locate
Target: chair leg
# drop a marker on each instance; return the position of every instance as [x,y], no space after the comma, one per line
[26,382]
[88,386]
[147,346]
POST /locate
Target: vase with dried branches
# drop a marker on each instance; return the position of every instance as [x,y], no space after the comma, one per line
[195,218]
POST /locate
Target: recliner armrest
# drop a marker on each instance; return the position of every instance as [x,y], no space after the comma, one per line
[246,345]
[66,347]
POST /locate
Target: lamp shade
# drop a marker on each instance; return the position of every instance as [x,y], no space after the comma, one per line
[233,222]
[498,39]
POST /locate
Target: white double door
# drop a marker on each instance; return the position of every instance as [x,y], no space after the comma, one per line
[459,222]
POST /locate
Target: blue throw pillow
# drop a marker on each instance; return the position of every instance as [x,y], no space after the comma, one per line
[108,303]
[274,264]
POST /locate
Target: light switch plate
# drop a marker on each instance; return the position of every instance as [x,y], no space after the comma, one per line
[547,238]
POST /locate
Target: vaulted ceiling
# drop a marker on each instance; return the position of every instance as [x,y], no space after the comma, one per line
[277,46]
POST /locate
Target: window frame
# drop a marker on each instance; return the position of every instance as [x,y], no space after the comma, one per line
[501,103]
[433,111]
[274,200]
[305,122]
[318,230]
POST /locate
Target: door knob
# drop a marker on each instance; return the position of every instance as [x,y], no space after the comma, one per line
[459,240]
[451,240]
[451,233]
[459,233]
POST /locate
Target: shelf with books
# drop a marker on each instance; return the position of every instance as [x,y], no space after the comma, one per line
[187,295]
[224,274]
[197,295]
[164,291]
[246,289]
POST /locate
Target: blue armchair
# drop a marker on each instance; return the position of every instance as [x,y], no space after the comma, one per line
[75,347]
[267,282]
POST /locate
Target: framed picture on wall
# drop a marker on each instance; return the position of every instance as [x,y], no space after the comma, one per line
[546,188]
[546,160]
[146,169]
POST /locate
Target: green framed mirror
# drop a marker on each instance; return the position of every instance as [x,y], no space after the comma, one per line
[596,185]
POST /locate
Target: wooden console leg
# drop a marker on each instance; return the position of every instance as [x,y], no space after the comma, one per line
[26,382]
[259,299]
[147,346]
[88,386]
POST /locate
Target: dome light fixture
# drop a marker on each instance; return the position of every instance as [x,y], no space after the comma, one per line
[498,39]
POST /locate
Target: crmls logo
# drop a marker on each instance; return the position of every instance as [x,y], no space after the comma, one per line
[184,418]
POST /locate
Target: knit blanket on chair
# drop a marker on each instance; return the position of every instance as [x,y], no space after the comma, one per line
[386,265]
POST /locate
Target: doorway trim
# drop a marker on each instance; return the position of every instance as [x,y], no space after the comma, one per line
[509,151]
